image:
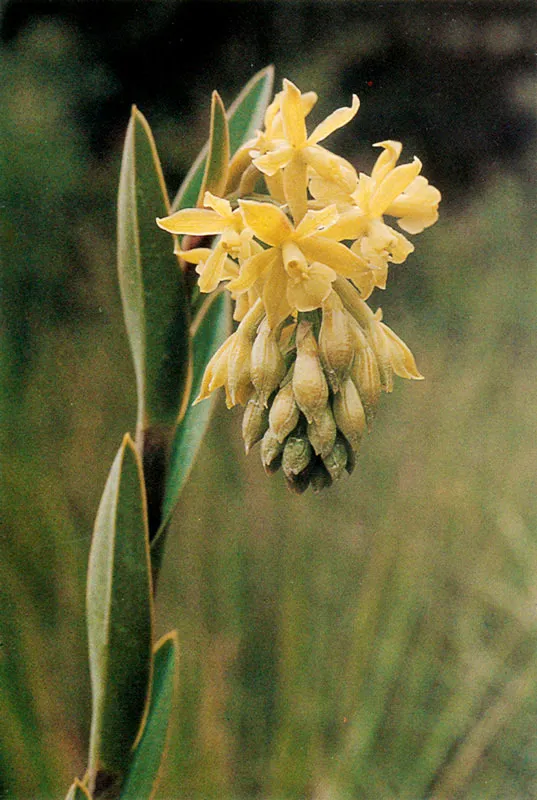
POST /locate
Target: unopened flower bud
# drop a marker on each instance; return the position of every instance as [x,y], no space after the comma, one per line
[309,383]
[322,432]
[381,349]
[267,364]
[336,461]
[254,422]
[401,358]
[297,455]
[365,374]
[284,413]
[335,341]
[271,452]
[215,374]
[239,385]
[349,412]
[320,478]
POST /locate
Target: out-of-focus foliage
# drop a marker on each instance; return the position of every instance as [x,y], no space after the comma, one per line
[378,640]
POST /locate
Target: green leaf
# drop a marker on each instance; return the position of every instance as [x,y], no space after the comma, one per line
[212,327]
[244,116]
[78,791]
[216,165]
[155,302]
[141,780]
[120,617]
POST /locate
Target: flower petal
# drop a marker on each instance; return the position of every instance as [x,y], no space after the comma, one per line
[268,222]
[218,204]
[329,192]
[330,166]
[293,118]
[316,220]
[308,291]
[295,187]
[387,159]
[337,119]
[333,254]
[194,256]
[210,272]
[392,185]
[401,358]
[194,221]
[350,225]
[252,269]
[274,295]
[270,163]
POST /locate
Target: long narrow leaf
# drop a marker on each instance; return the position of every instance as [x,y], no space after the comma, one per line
[142,777]
[244,115]
[213,327]
[216,165]
[152,287]
[120,618]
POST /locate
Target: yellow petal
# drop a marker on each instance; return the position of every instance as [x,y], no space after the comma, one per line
[402,360]
[330,166]
[387,159]
[315,220]
[293,121]
[275,187]
[252,269]
[267,221]
[218,204]
[312,288]
[274,295]
[416,223]
[194,256]
[337,119]
[295,187]
[329,191]
[211,272]
[393,184]
[333,254]
[293,258]
[350,225]
[270,163]
[195,221]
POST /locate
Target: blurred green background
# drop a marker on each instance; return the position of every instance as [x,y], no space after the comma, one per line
[376,641]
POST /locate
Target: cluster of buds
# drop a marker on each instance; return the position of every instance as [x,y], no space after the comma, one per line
[309,358]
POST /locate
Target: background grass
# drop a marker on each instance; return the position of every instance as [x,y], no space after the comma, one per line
[376,641]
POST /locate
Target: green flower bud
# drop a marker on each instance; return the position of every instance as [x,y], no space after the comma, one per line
[267,363]
[335,341]
[254,422]
[320,478]
[309,384]
[336,461]
[297,455]
[322,432]
[349,413]
[271,453]
[284,413]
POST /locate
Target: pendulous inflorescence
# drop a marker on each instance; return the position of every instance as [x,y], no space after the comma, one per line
[300,240]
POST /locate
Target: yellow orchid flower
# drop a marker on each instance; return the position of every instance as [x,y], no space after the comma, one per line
[295,151]
[216,218]
[397,191]
[297,268]
[263,142]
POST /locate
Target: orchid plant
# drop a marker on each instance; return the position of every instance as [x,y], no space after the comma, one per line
[298,239]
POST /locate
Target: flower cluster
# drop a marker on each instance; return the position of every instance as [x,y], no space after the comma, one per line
[301,243]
